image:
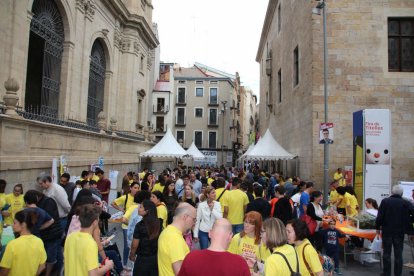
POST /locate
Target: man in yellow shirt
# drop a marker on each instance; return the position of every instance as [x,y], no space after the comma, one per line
[339,176]
[235,207]
[81,250]
[333,194]
[172,247]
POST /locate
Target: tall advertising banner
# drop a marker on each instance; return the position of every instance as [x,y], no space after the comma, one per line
[377,133]
[372,154]
[358,155]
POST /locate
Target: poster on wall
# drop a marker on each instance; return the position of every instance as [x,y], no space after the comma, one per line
[326,135]
[211,157]
[372,154]
[377,134]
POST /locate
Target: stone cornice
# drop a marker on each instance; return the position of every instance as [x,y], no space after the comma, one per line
[132,21]
[271,8]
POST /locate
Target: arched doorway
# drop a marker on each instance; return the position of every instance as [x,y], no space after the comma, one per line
[44,59]
[96,83]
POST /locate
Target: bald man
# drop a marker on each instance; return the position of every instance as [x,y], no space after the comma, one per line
[172,247]
[215,260]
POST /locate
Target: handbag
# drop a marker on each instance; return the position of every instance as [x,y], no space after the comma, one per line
[376,244]
[310,222]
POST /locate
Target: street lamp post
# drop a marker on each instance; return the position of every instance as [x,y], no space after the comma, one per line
[322,6]
[223,112]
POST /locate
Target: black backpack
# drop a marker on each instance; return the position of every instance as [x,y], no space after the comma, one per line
[292,273]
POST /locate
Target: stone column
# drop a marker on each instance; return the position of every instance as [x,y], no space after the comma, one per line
[11,99]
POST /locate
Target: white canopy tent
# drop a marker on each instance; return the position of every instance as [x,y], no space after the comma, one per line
[195,153]
[268,149]
[249,149]
[167,147]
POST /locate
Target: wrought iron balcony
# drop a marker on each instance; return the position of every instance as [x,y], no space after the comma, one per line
[159,109]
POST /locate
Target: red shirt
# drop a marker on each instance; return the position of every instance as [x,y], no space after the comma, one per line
[104,185]
[208,263]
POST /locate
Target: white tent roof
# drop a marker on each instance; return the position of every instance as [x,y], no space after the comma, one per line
[195,153]
[166,147]
[249,149]
[268,149]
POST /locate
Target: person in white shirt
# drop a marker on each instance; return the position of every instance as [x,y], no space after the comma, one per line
[208,212]
[371,206]
[58,194]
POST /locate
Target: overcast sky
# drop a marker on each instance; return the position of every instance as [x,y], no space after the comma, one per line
[223,34]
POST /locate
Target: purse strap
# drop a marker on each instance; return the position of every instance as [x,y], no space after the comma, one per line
[306,263]
[218,199]
[290,268]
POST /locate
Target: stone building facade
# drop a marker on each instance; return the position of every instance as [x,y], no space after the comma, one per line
[206,108]
[248,113]
[77,78]
[370,65]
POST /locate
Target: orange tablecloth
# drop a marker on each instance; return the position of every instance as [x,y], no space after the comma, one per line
[347,230]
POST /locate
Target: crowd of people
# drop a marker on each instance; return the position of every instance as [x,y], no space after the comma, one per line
[176,223]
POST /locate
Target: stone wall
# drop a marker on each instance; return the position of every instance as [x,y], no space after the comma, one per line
[28,147]
[358,78]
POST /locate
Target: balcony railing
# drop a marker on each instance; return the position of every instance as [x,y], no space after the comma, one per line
[160,128]
[213,101]
[35,114]
[159,109]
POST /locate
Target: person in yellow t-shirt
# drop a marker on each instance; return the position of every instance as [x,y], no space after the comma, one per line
[339,176]
[159,185]
[333,194]
[236,206]
[275,238]
[25,255]
[309,263]
[172,247]
[15,202]
[248,243]
[222,193]
[342,201]
[81,250]
[3,184]
[162,213]
[126,201]
[352,208]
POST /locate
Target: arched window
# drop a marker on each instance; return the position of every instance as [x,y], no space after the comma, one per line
[44,59]
[96,83]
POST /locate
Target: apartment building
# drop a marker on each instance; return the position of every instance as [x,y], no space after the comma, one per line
[206,110]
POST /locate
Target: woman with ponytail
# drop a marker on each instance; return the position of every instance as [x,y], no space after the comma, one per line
[25,255]
[144,246]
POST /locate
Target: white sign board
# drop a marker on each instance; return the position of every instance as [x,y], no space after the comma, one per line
[408,188]
[211,156]
[377,131]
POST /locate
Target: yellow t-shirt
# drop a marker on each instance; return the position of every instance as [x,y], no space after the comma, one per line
[236,200]
[158,187]
[276,265]
[171,248]
[16,204]
[353,202]
[130,211]
[340,177]
[240,245]
[311,256]
[209,181]
[141,175]
[24,255]
[333,196]
[81,254]
[120,201]
[95,178]
[162,213]
[343,202]
[223,198]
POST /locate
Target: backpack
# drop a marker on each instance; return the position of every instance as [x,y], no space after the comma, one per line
[292,273]
[327,263]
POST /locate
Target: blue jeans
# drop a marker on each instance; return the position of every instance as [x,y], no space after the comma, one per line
[396,241]
[204,239]
[237,228]
[126,248]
